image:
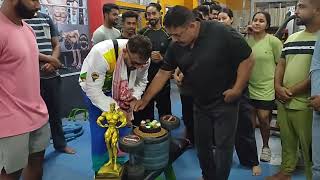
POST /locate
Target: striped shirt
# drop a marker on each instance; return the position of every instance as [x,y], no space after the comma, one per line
[297,52]
[44,29]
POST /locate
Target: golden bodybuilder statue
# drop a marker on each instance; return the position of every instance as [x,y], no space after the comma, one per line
[115,119]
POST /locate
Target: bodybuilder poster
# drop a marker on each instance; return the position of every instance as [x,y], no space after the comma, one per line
[71,19]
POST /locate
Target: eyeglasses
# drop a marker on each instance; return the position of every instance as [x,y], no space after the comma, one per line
[179,35]
[133,62]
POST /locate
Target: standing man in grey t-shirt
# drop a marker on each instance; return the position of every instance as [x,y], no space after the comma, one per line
[106,30]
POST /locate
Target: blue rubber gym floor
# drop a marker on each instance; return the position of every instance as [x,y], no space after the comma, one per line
[60,166]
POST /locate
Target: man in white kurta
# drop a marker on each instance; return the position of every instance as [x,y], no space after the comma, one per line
[105,80]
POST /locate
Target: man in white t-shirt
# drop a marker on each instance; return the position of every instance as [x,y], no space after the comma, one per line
[106,30]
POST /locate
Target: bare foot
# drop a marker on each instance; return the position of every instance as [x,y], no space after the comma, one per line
[74,63]
[279,176]
[79,66]
[68,150]
[256,171]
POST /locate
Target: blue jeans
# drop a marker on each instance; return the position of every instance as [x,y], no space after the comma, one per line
[315,90]
[316,146]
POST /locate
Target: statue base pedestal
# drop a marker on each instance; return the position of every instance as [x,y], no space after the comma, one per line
[109,173]
[100,177]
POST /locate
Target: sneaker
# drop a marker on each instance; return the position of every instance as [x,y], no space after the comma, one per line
[265,155]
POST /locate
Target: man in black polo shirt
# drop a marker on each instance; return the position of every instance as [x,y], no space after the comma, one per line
[160,41]
[129,24]
[216,63]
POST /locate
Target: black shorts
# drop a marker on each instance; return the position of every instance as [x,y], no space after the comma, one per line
[261,104]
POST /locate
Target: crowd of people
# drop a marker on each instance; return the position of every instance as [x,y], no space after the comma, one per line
[226,81]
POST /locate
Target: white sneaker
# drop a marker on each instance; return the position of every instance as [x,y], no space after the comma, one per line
[265,154]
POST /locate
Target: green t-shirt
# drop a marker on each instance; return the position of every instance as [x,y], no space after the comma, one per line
[266,52]
[297,52]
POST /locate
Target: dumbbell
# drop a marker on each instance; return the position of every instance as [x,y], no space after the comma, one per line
[131,144]
[169,122]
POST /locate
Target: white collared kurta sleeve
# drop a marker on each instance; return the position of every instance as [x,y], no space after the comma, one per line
[92,77]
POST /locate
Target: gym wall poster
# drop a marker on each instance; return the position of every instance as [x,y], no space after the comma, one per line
[71,19]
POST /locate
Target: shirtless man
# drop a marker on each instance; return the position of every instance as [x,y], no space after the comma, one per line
[73,38]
